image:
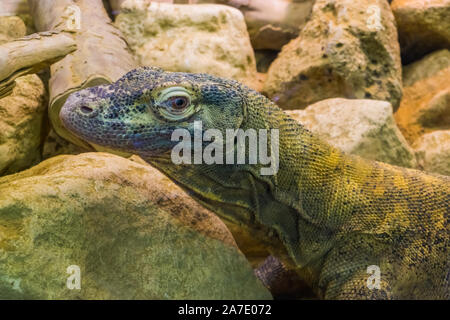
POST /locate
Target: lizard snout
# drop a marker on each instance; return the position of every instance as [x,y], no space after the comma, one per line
[79,107]
[77,112]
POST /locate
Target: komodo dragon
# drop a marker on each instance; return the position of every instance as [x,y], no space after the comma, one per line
[351,228]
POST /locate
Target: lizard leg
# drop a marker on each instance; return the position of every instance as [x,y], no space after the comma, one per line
[359,267]
[359,286]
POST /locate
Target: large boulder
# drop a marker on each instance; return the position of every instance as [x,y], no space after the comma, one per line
[205,38]
[361,127]
[347,49]
[22,125]
[120,229]
[425,106]
[423,26]
[433,151]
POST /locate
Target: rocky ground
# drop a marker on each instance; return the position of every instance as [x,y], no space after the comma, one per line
[372,77]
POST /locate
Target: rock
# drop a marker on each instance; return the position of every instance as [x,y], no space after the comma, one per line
[13,7]
[11,28]
[347,49]
[22,128]
[116,5]
[426,68]
[423,26]
[437,112]
[271,24]
[425,106]
[13,10]
[433,151]
[29,23]
[131,231]
[361,127]
[204,38]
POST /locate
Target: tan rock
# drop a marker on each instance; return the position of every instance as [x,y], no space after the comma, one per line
[19,8]
[116,5]
[433,151]
[361,127]
[425,106]
[130,230]
[22,125]
[423,26]
[11,28]
[13,7]
[204,38]
[347,49]
[271,24]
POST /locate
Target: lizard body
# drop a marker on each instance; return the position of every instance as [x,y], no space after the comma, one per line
[328,215]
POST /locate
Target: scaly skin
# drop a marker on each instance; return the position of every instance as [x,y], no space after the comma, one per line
[325,214]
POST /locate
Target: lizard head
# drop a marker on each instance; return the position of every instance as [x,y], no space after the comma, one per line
[138,113]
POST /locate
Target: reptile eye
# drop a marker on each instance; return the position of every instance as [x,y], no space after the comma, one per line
[175,103]
[179,103]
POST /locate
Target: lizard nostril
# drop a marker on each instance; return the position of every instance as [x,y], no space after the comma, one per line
[86,109]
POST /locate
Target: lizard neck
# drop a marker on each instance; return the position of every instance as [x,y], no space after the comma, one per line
[307,191]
